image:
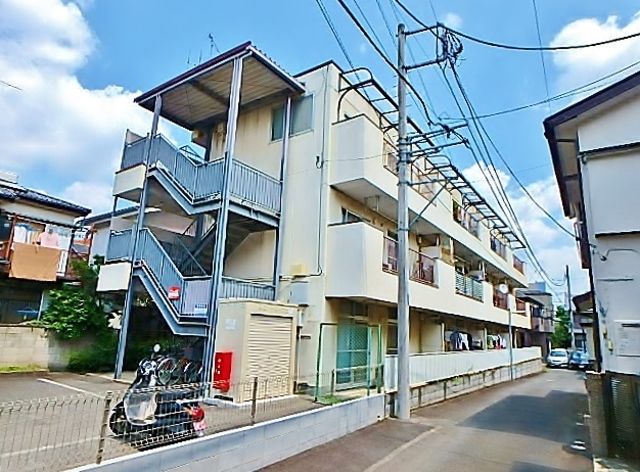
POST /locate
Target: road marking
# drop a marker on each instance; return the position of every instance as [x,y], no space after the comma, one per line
[69,387]
[405,446]
[49,446]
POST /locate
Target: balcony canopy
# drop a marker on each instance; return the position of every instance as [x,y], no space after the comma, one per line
[200,97]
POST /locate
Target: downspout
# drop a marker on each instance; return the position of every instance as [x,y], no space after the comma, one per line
[596,317]
[322,214]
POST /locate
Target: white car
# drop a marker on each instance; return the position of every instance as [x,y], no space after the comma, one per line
[558,358]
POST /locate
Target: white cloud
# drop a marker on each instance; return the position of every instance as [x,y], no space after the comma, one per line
[553,248]
[68,136]
[96,195]
[453,20]
[580,66]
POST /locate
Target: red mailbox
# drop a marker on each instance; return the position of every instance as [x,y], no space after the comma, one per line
[222,371]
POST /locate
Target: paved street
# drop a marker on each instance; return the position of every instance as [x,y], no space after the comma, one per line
[522,427]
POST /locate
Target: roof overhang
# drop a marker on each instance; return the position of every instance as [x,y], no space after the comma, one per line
[561,131]
[200,97]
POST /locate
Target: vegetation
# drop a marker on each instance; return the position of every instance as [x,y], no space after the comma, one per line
[329,400]
[76,310]
[562,334]
[24,368]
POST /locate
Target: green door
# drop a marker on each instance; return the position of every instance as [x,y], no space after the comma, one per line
[352,355]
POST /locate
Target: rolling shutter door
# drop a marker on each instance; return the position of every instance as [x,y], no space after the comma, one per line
[269,354]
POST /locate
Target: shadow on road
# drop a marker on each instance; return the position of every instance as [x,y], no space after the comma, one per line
[527,467]
[542,417]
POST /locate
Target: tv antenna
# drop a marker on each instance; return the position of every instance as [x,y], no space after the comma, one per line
[213,45]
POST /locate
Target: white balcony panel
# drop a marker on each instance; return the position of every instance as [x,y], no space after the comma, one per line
[359,171]
[114,277]
[355,270]
[128,183]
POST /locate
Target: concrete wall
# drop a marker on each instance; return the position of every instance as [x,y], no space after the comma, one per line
[24,346]
[257,446]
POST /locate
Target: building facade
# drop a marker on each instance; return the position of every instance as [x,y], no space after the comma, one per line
[39,237]
[596,155]
[311,200]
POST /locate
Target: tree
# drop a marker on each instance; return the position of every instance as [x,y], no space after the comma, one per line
[562,335]
[77,309]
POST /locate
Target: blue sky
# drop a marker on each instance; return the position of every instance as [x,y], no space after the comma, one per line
[79,65]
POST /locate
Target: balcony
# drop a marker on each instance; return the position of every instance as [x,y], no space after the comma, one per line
[466,220]
[518,264]
[521,306]
[500,300]
[498,247]
[469,287]
[422,268]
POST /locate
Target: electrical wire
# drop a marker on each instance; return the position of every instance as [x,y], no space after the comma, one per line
[7,84]
[334,31]
[509,211]
[388,61]
[544,66]
[510,46]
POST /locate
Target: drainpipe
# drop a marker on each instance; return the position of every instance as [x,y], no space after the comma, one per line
[128,301]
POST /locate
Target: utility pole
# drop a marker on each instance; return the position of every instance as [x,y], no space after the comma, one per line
[570,310]
[403,395]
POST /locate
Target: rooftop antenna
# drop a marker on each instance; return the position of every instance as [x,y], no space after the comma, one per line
[212,45]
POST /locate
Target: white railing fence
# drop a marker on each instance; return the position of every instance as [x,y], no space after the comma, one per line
[430,367]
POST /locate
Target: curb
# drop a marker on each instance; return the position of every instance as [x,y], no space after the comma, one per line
[25,373]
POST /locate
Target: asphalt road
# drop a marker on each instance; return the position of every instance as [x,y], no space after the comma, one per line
[527,426]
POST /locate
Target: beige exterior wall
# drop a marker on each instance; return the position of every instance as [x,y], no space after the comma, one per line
[31,210]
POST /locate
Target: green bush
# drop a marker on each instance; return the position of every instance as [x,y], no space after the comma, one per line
[100,357]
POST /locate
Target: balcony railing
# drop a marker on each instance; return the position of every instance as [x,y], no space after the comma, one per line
[500,300]
[119,247]
[521,306]
[518,264]
[466,220]
[418,176]
[422,267]
[203,180]
[469,287]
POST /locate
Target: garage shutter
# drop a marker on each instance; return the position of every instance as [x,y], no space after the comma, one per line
[269,354]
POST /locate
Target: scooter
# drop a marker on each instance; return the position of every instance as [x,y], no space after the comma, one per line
[151,415]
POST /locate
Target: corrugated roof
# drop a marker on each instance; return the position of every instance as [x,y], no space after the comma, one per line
[21,193]
[103,217]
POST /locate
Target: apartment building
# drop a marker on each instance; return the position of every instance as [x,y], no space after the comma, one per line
[539,302]
[38,239]
[594,146]
[287,193]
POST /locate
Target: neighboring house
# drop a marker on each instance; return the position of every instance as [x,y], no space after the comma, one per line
[303,217]
[38,238]
[539,302]
[583,322]
[595,147]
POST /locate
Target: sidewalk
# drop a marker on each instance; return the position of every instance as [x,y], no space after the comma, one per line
[524,426]
[126,379]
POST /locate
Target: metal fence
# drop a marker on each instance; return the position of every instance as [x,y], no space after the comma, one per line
[623,402]
[59,433]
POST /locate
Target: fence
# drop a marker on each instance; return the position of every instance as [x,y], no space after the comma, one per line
[432,367]
[60,433]
[469,287]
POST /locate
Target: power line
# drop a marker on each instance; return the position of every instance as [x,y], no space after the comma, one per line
[334,31]
[384,57]
[544,66]
[510,46]
[7,84]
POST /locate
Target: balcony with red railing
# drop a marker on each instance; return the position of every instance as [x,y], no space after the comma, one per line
[500,300]
[521,306]
[422,268]
[518,264]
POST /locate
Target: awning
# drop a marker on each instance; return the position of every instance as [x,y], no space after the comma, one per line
[200,97]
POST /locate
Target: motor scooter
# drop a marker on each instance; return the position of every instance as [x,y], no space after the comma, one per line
[150,414]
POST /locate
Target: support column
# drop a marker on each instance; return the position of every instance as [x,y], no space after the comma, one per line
[128,301]
[277,263]
[223,215]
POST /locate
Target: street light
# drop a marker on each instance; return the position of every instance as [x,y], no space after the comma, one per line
[504,289]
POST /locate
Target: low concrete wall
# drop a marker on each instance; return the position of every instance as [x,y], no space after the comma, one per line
[257,446]
[442,390]
[25,346]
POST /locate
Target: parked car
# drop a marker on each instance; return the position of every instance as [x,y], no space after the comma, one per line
[558,358]
[580,360]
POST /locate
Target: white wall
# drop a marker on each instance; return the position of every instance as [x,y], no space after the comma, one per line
[38,213]
[612,199]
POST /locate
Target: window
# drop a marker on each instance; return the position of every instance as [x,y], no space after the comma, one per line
[301,118]
[350,217]
[392,331]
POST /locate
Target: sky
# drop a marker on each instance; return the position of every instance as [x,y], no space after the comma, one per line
[79,64]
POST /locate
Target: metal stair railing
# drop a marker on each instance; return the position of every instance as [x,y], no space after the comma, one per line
[200,181]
